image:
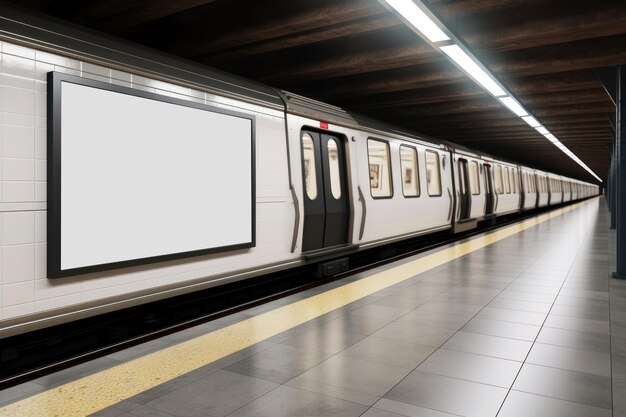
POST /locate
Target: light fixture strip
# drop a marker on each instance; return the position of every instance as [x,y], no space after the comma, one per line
[418,20]
[418,15]
[471,67]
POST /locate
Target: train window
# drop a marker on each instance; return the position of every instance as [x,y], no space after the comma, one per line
[474,178]
[507,181]
[380,168]
[333,164]
[308,156]
[512,175]
[499,181]
[433,176]
[410,174]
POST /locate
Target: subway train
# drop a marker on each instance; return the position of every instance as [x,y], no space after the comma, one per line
[157,177]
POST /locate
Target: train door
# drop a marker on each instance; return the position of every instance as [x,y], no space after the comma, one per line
[326,208]
[489,194]
[465,195]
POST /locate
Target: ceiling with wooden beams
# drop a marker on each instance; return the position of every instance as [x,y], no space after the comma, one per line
[358,55]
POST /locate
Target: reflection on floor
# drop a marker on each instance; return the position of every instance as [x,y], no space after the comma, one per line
[528,326]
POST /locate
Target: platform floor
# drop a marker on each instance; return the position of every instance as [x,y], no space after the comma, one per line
[521,322]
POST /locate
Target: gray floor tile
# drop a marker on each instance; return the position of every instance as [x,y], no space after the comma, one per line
[406,301]
[619,399]
[573,339]
[566,385]
[287,401]
[594,313]
[172,411]
[594,295]
[389,352]
[497,347]
[515,316]
[410,410]
[571,359]
[108,412]
[384,312]
[435,319]
[535,286]
[527,296]
[522,404]
[409,332]
[578,324]
[477,368]
[375,412]
[334,391]
[450,395]
[579,302]
[216,394]
[536,282]
[167,387]
[354,374]
[19,392]
[324,340]
[279,363]
[450,308]
[521,305]
[242,354]
[349,323]
[502,329]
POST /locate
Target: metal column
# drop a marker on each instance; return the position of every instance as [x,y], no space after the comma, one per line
[610,189]
[620,174]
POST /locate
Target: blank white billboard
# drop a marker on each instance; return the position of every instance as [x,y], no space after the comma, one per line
[143,178]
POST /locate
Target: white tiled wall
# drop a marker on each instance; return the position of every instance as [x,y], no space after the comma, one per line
[24,287]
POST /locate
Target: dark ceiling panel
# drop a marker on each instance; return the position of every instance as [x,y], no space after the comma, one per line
[356,54]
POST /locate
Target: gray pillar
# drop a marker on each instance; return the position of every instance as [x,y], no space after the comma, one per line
[610,190]
[620,174]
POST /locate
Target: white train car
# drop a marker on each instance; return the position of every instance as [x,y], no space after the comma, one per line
[231,180]
[556,189]
[567,189]
[507,190]
[543,190]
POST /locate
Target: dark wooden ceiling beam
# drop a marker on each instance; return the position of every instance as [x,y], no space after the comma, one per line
[529,137]
[574,56]
[456,94]
[333,26]
[498,123]
[568,81]
[536,102]
[292,17]
[532,33]
[518,129]
[314,35]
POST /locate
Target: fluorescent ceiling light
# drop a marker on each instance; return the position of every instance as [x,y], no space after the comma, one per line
[542,130]
[474,70]
[514,106]
[418,19]
[531,121]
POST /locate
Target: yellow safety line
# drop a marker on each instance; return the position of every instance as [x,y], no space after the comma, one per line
[105,388]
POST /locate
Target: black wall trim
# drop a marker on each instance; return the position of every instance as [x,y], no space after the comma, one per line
[54,176]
